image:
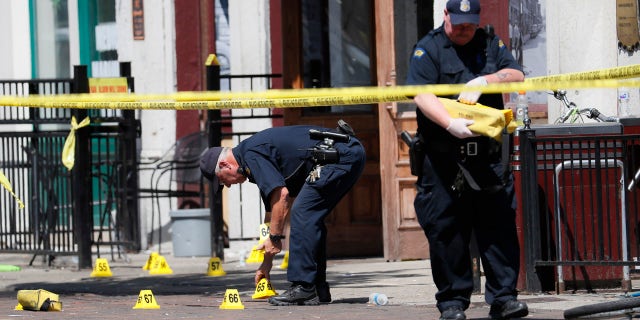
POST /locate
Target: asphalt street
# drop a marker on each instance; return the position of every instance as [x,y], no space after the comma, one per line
[188,292]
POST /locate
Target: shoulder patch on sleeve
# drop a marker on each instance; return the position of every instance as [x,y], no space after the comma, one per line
[418,53]
[500,44]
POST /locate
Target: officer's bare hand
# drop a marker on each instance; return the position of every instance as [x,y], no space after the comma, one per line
[471,97]
[270,247]
[459,127]
[265,269]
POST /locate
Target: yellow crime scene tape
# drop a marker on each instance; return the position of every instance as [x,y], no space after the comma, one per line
[290,98]
[7,185]
[307,97]
[287,98]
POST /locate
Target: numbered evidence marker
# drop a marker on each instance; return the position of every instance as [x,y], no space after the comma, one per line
[146,300]
[263,290]
[264,232]
[101,268]
[150,261]
[215,268]
[257,256]
[232,300]
[285,261]
[160,266]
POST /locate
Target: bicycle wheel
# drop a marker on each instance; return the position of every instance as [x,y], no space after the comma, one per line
[603,309]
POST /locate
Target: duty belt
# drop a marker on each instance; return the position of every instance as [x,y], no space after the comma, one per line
[478,150]
[467,150]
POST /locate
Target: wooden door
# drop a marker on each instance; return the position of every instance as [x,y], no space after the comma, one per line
[396,33]
[316,54]
[403,237]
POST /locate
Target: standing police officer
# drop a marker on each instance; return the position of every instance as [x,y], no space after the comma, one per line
[301,170]
[464,186]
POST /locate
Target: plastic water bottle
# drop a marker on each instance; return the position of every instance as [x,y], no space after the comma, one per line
[522,108]
[379,299]
[624,107]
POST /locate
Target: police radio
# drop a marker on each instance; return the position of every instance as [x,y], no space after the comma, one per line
[324,152]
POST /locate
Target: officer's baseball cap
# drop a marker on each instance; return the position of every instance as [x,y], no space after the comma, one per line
[464,11]
[209,164]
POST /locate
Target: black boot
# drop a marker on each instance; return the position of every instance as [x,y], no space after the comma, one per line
[453,313]
[297,294]
[511,309]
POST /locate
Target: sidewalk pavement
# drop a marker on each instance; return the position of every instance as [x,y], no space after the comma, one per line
[188,293]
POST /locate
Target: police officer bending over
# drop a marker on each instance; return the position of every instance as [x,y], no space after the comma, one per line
[303,171]
[464,185]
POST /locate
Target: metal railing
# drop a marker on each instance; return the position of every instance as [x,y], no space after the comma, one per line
[67,212]
[581,223]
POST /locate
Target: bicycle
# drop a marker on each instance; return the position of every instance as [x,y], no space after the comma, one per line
[627,306]
[573,114]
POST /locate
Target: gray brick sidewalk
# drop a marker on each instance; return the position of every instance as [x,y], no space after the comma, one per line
[188,293]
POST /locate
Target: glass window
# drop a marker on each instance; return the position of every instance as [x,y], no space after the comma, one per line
[337,48]
[51,39]
[106,37]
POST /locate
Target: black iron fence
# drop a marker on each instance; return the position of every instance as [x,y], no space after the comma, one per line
[30,160]
[67,212]
[581,219]
[220,126]
[95,205]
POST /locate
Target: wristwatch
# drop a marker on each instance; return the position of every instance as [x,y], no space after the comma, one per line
[276,237]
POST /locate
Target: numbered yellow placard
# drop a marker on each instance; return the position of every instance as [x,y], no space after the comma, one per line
[285,261]
[264,232]
[101,268]
[215,268]
[232,300]
[256,256]
[146,300]
[150,261]
[160,266]
[264,290]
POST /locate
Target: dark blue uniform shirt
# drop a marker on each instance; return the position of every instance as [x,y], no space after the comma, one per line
[277,157]
[437,60]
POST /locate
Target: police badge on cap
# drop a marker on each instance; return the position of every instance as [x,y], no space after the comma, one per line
[464,11]
[465,6]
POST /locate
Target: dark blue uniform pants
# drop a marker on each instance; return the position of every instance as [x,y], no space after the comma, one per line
[448,219]
[308,238]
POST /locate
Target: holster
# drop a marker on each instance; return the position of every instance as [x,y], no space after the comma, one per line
[416,156]
[417,152]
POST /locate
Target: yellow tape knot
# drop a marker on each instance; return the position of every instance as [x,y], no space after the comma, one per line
[69,149]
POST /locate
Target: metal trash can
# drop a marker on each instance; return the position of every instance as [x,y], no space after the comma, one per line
[191,232]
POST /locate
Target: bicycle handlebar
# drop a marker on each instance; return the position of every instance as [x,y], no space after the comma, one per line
[591,113]
[560,94]
[596,115]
